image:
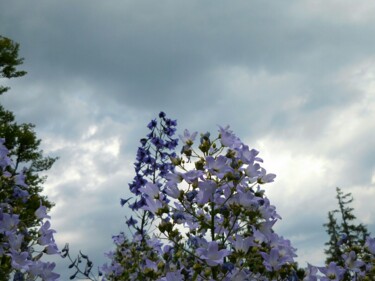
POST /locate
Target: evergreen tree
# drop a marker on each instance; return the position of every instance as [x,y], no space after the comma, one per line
[24,147]
[333,251]
[9,60]
[345,235]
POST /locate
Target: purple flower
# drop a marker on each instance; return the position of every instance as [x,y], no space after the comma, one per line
[370,244]
[138,204]
[272,261]
[118,239]
[239,275]
[51,249]
[206,191]
[20,193]
[311,273]
[188,138]
[131,222]
[152,205]
[171,144]
[152,124]
[192,176]
[44,270]
[264,177]
[151,265]
[212,255]
[158,142]
[19,179]
[227,266]
[46,234]
[172,276]
[9,223]
[352,263]
[267,210]
[219,166]
[124,201]
[178,217]
[242,244]
[15,241]
[228,138]
[332,272]
[172,191]
[191,195]
[150,189]
[116,269]
[170,122]
[155,244]
[20,260]
[41,212]
[252,172]
[247,156]
[4,159]
[173,179]
[286,251]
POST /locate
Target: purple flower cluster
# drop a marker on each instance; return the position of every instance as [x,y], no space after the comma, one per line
[153,157]
[152,165]
[211,219]
[16,241]
[153,162]
[209,216]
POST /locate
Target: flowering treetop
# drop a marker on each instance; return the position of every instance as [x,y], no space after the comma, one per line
[203,215]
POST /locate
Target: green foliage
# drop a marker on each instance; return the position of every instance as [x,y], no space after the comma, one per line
[334,251]
[24,147]
[345,235]
[9,60]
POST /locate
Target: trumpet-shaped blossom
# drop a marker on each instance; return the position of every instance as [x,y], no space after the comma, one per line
[188,138]
[20,260]
[243,244]
[211,254]
[41,212]
[273,261]
[228,138]
[9,223]
[206,191]
[44,270]
[15,240]
[219,167]
[352,263]
[332,272]
[46,234]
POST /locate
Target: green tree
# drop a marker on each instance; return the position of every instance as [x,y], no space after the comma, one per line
[9,60]
[344,234]
[334,251]
[24,147]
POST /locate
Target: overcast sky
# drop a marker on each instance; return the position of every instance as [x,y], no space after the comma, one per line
[294,79]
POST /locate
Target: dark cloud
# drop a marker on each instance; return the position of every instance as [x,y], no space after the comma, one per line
[148,55]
